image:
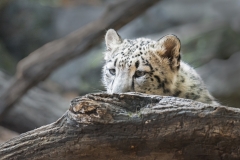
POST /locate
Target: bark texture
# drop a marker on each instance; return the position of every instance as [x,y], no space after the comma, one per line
[42,62]
[133,126]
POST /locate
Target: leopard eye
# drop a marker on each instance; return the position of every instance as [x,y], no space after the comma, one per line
[112,71]
[139,74]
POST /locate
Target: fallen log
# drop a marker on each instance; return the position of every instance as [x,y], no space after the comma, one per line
[133,126]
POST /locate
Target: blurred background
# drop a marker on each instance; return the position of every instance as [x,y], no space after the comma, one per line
[209,31]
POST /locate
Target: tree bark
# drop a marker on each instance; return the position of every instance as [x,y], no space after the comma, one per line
[133,126]
[42,62]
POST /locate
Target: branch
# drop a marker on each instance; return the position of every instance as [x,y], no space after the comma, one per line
[42,62]
[133,126]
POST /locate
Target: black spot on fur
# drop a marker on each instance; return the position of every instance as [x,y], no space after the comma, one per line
[177,93]
[166,81]
[194,96]
[148,64]
[157,78]
[171,67]
[178,67]
[179,58]
[163,86]
[115,62]
[160,84]
[133,83]
[166,91]
[182,80]
[193,86]
[137,64]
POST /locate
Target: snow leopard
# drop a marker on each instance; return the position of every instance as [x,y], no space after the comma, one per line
[152,67]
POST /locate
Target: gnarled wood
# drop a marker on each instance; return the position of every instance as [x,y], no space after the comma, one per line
[42,62]
[133,126]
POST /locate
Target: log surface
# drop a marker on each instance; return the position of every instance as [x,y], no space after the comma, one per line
[133,126]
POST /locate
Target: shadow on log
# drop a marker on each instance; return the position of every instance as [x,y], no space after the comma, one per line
[133,126]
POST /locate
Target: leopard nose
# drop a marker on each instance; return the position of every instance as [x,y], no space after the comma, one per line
[120,89]
[122,83]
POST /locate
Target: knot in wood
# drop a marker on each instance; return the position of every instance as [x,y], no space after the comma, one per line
[85,107]
[86,111]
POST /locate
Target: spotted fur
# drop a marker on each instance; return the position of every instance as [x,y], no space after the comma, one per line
[152,67]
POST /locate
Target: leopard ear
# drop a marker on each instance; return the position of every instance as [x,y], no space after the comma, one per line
[169,47]
[112,39]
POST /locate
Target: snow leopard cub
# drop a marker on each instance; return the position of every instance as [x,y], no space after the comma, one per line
[152,67]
